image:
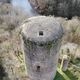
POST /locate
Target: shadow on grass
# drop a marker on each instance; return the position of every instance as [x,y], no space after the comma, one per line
[70,75]
[59,76]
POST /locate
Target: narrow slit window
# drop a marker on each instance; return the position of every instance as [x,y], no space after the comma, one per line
[41,45]
[41,33]
[38,68]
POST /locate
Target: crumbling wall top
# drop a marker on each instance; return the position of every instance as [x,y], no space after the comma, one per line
[42,29]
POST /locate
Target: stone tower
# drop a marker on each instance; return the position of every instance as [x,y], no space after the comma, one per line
[41,40]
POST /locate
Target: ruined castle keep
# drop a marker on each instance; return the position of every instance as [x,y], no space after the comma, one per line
[41,40]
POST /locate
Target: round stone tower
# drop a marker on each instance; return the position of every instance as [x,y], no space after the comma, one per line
[41,40]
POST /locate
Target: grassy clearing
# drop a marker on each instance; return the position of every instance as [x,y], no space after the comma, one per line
[72,73]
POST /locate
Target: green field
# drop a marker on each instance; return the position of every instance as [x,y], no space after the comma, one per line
[71,74]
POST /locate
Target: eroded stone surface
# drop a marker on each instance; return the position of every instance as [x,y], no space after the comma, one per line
[41,38]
